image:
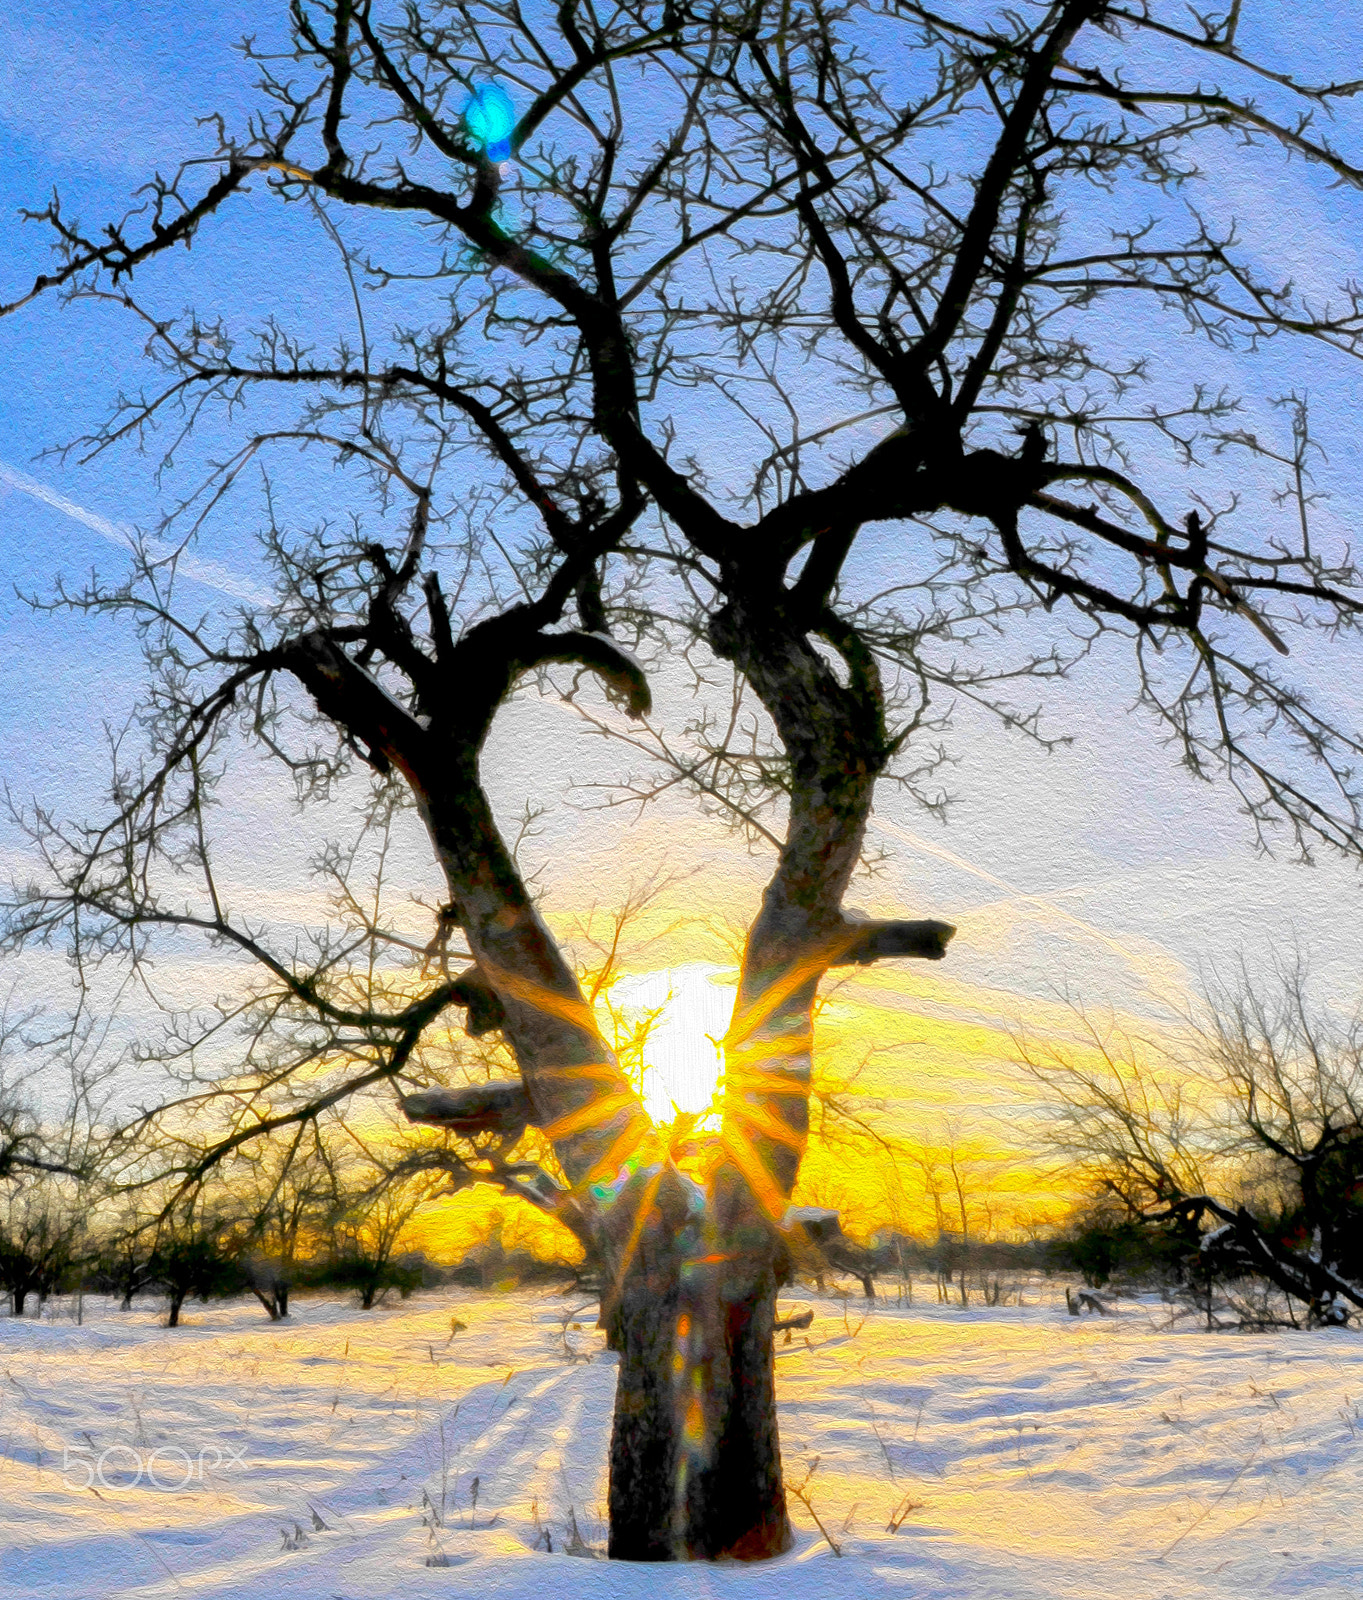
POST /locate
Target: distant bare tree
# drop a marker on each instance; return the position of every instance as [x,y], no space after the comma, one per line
[367,1235]
[1292,1074]
[1128,1117]
[1245,1140]
[190,1256]
[123,1248]
[287,1198]
[51,1104]
[42,1228]
[960,1181]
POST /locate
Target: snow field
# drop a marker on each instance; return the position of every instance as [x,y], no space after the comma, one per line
[1021,1453]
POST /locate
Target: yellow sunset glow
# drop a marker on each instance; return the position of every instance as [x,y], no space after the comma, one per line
[917,1060]
[924,1059]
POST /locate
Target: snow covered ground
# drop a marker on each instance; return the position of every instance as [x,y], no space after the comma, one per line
[1028,1453]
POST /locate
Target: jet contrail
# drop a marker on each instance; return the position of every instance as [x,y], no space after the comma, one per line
[209,573]
[1137,963]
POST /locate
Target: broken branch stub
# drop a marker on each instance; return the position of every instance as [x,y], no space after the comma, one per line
[797,1319]
[479,1108]
[878,941]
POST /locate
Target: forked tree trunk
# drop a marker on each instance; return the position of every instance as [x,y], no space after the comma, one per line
[695,1467]
[691,1276]
[271,1302]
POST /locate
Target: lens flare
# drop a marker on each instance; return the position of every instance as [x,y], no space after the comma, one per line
[491,120]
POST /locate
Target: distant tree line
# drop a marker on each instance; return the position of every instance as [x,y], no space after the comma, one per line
[1226,1168]
[264,1226]
[48,1247]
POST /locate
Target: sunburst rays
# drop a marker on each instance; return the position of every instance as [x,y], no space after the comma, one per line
[767,1054]
[572,1009]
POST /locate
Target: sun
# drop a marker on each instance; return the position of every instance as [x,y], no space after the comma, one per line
[681,1059]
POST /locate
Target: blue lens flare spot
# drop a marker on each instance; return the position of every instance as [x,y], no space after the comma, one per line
[491,120]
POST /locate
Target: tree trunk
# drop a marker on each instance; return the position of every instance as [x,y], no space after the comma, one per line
[17,1297]
[177,1299]
[695,1458]
[690,1277]
[269,1301]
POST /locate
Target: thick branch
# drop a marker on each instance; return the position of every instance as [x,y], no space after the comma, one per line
[881,941]
[474,1110]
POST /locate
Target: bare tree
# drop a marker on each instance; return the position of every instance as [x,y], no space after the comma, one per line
[1292,1074]
[371,1217]
[51,1100]
[831,221]
[1243,1141]
[962,1181]
[123,1250]
[287,1194]
[1126,1114]
[190,1256]
[41,1235]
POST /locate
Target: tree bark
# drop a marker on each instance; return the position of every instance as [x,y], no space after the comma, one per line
[695,1471]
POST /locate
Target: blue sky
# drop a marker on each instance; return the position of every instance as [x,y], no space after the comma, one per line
[1071,860]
